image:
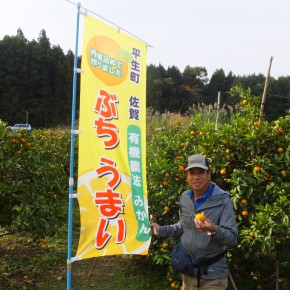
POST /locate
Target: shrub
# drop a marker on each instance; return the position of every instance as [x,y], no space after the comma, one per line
[33,180]
[249,156]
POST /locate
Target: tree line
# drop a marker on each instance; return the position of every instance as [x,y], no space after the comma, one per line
[36,85]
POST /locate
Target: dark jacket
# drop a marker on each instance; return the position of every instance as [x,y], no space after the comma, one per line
[219,209]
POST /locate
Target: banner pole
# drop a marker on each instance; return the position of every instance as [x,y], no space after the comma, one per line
[71,177]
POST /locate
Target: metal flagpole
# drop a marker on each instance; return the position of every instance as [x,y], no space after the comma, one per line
[71,178]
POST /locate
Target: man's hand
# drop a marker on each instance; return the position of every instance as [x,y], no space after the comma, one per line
[206,225]
[155,228]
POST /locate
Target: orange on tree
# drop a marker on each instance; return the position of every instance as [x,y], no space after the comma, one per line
[192,132]
[283,172]
[166,208]
[252,234]
[201,133]
[170,279]
[165,245]
[257,168]
[200,216]
[223,172]
[244,202]
[164,183]
[245,213]
[280,150]
[182,144]
[181,168]
[167,174]
[245,102]
[172,285]
[257,123]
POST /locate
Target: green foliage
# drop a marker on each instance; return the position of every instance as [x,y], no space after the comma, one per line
[249,157]
[34,180]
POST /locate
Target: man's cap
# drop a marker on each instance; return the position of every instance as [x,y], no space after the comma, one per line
[197,160]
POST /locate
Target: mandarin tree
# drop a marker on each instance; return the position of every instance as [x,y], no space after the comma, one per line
[34,168]
[245,159]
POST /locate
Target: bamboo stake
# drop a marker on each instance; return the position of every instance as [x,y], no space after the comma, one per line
[265,90]
[277,268]
[218,108]
[232,281]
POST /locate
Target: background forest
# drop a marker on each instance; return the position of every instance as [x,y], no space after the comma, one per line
[36,85]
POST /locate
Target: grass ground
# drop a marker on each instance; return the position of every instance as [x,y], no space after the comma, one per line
[42,265]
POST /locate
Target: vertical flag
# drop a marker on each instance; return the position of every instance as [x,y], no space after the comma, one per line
[112,166]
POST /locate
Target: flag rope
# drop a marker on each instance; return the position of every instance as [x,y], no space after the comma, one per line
[112,23]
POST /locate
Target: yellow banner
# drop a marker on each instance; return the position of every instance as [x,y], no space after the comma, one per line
[112,157]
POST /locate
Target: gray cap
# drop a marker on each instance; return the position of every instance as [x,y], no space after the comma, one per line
[197,161]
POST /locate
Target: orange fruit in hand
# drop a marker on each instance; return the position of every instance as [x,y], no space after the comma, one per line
[200,217]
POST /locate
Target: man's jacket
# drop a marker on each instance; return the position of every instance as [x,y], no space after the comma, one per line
[219,209]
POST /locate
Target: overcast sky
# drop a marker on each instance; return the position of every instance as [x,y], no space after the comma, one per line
[235,35]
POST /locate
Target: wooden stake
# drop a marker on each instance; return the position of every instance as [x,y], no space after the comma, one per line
[265,90]
[218,108]
[232,281]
